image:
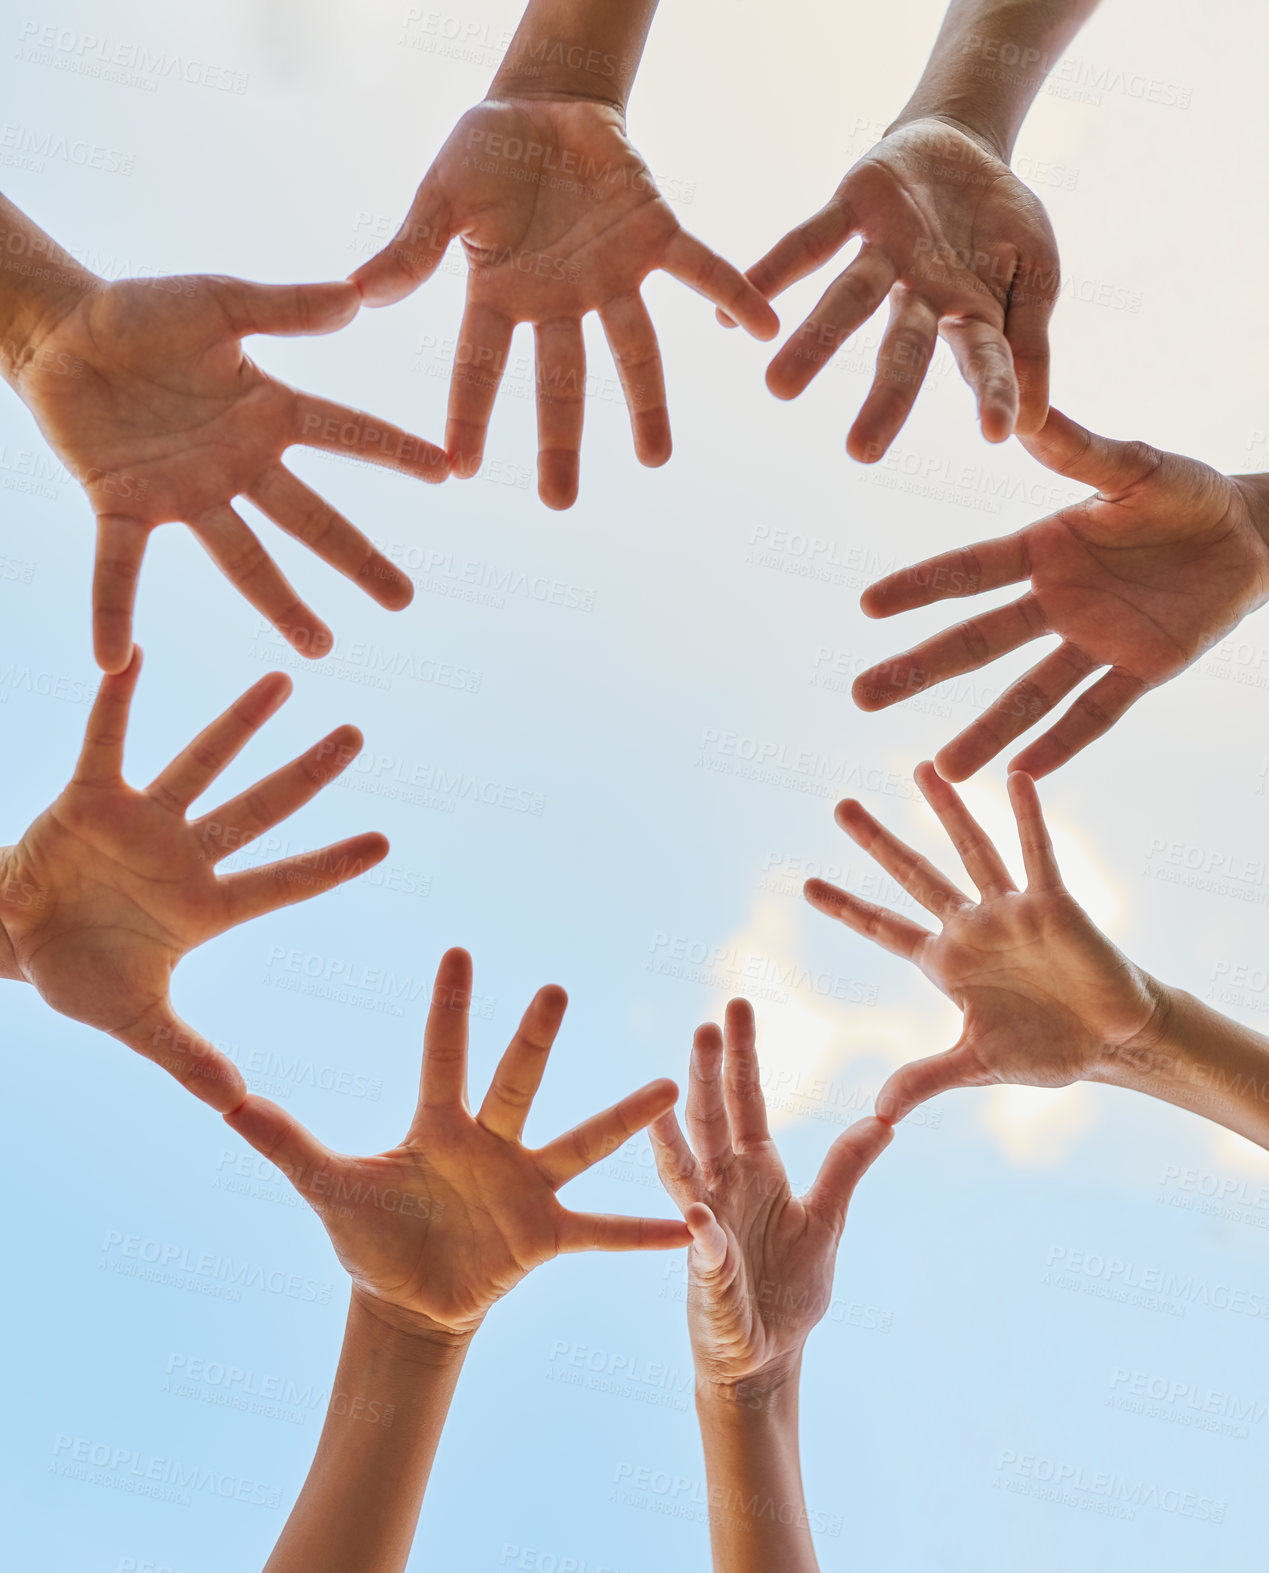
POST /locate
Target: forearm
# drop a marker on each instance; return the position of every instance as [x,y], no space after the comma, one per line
[757,1511]
[360,1503]
[1194,1057]
[38,280]
[576,49]
[989,61]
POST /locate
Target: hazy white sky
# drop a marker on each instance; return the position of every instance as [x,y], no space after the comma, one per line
[983,1338]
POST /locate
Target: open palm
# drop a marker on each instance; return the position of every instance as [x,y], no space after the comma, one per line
[760,1269]
[162,418]
[433,1232]
[559,216]
[961,248]
[1143,577]
[1047,999]
[110,886]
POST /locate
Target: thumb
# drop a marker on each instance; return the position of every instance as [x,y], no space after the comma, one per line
[921,1080]
[1067,448]
[845,1164]
[708,1239]
[279,1137]
[286,308]
[163,1037]
[413,254]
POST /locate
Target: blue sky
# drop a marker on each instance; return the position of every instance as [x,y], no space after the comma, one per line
[1038,1294]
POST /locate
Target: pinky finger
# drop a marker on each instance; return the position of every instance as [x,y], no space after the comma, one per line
[694,264]
[608,1232]
[1092,714]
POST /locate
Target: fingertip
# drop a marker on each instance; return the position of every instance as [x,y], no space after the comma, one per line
[864,449]
[951,767]
[866,694]
[723,319]
[375,847]
[779,383]
[313,642]
[553,998]
[849,812]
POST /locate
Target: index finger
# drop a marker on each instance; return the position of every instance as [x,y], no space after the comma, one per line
[968,570]
[101,757]
[120,548]
[693,263]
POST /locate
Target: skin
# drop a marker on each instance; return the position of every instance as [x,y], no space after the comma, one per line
[558,216]
[110,887]
[760,1278]
[1142,578]
[432,1233]
[1047,1000]
[143,390]
[950,237]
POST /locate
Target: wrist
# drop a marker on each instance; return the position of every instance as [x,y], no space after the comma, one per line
[36,293]
[407,1336]
[991,139]
[770,1390]
[1150,1053]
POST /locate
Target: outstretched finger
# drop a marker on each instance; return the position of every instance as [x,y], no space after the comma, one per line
[253,573]
[903,358]
[845,305]
[353,434]
[237,823]
[693,263]
[414,253]
[480,358]
[519,1073]
[196,767]
[443,1078]
[252,893]
[969,570]
[101,757]
[120,548]
[706,1108]
[1094,712]
[1067,448]
[917,875]
[742,1078]
[983,356]
[1015,712]
[964,648]
[607,1232]
[676,1167]
[807,246]
[594,1139]
[633,342]
[900,936]
[302,513]
[1038,857]
[845,1164]
[921,1080]
[983,863]
[561,400]
[280,1138]
[161,1035]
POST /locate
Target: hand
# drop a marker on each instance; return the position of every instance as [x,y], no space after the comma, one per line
[961,247]
[164,419]
[110,887]
[760,1268]
[558,216]
[1046,997]
[1142,577]
[433,1232]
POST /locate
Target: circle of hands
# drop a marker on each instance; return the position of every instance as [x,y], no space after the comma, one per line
[164,419]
